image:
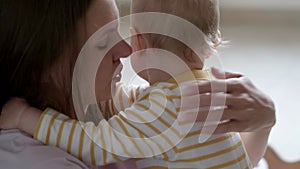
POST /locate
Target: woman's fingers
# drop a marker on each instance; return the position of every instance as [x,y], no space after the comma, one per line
[247,120]
[231,126]
[245,107]
[226,127]
[221,74]
[219,114]
[241,101]
[227,120]
[196,88]
[195,101]
[215,86]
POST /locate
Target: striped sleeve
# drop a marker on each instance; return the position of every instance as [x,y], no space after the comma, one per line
[143,130]
[88,142]
[125,96]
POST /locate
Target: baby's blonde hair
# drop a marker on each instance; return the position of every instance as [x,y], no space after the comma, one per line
[204,14]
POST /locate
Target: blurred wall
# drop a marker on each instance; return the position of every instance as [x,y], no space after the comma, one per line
[253,4]
[258,11]
[262,4]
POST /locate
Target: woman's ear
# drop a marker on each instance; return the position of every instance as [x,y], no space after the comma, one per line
[138,41]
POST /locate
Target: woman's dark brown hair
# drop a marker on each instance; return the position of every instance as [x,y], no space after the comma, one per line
[33,36]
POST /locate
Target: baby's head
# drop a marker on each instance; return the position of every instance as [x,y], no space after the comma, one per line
[204,14]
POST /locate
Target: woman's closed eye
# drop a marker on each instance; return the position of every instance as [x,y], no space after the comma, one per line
[102,43]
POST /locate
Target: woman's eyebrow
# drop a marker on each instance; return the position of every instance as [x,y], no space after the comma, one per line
[113,28]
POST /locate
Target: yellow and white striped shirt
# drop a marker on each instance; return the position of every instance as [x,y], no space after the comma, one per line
[143,126]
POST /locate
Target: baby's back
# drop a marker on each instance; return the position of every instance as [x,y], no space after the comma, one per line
[219,151]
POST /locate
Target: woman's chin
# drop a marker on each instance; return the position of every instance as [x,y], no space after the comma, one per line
[103,98]
[107,95]
[104,95]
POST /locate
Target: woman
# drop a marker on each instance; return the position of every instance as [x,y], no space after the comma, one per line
[61,28]
[40,42]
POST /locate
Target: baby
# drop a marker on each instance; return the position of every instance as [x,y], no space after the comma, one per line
[146,124]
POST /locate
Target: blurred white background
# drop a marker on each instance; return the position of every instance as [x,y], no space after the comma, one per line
[259,4]
[264,45]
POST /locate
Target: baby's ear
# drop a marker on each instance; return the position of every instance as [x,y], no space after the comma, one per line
[218,39]
[137,40]
[194,60]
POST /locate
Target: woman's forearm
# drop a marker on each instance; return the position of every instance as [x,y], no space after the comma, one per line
[256,144]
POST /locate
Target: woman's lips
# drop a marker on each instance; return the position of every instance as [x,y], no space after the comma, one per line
[117,77]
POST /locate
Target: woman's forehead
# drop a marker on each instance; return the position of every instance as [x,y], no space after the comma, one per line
[100,13]
[103,11]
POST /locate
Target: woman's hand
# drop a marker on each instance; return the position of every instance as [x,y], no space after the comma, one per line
[245,108]
[236,105]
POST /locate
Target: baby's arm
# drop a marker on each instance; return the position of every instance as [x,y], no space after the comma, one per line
[116,136]
[16,113]
[98,144]
[126,95]
[119,136]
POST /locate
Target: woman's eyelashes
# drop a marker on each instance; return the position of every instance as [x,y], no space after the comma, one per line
[103,43]
[102,46]
[110,36]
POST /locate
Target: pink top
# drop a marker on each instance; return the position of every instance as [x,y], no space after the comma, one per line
[19,150]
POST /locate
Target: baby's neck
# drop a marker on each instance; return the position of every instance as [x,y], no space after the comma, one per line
[160,77]
[170,64]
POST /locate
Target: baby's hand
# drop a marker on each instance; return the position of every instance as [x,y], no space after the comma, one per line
[12,113]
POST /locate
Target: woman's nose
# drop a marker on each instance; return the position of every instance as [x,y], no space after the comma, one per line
[122,50]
